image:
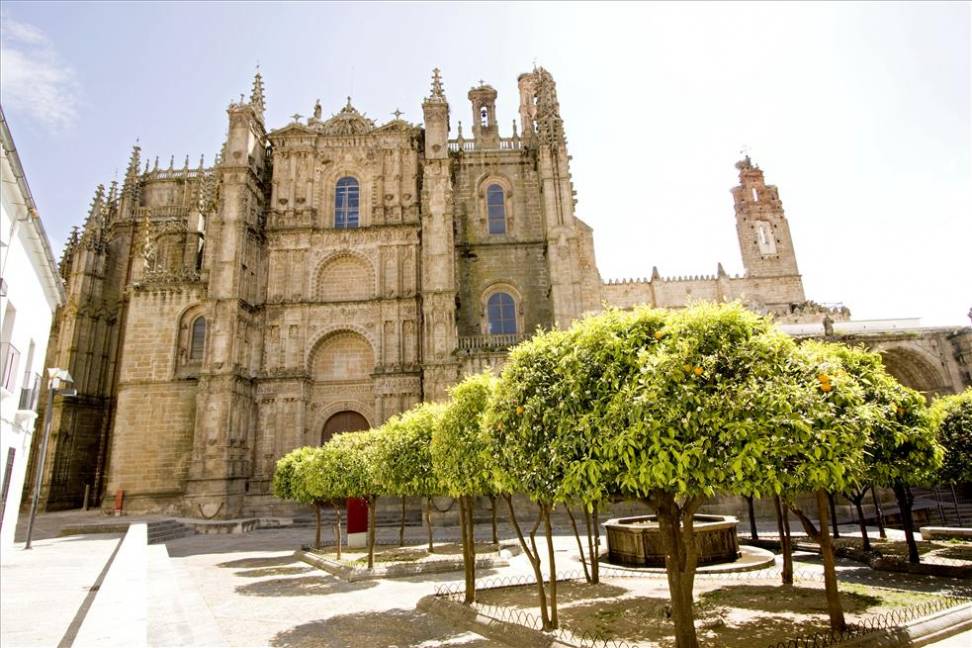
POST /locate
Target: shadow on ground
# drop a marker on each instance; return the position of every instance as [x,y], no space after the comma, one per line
[303,586]
[776,598]
[274,571]
[398,627]
[249,563]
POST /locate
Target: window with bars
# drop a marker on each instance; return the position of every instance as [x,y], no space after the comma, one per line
[501,314]
[496,209]
[346,203]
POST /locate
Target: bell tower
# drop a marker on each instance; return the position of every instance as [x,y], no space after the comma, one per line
[483,100]
[764,234]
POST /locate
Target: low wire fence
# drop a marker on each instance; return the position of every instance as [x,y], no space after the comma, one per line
[891,620]
[880,622]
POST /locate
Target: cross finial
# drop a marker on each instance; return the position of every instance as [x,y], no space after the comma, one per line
[481,82]
[398,113]
[296,117]
[349,101]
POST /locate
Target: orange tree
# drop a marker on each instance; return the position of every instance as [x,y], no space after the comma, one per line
[901,448]
[404,456]
[722,403]
[288,484]
[461,462]
[547,430]
[952,416]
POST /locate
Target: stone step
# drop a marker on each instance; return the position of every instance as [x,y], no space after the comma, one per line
[164,530]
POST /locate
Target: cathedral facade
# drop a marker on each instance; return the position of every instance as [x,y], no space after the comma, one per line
[325,275]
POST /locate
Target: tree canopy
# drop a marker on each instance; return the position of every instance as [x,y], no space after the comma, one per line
[952,417]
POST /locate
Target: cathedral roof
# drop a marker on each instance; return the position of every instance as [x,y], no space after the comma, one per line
[348,122]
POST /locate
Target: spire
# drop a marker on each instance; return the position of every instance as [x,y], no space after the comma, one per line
[720,271]
[438,94]
[97,204]
[155,167]
[133,162]
[654,273]
[257,97]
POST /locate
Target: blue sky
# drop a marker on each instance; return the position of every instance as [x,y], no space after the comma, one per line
[859,113]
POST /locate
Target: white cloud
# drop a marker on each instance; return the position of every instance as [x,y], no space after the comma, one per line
[33,79]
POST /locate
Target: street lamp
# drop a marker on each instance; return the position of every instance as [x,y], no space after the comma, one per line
[61,381]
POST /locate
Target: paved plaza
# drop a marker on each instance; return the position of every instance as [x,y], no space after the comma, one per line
[240,590]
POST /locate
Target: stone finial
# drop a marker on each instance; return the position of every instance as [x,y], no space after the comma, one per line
[720,271]
[459,135]
[514,129]
[398,114]
[317,110]
[171,162]
[185,165]
[654,273]
[134,161]
[257,96]
[438,94]
[202,161]
[155,167]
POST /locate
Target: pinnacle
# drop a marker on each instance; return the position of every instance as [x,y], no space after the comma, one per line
[257,96]
[438,94]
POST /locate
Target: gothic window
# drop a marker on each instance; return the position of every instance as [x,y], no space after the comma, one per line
[346,203]
[501,314]
[197,339]
[496,209]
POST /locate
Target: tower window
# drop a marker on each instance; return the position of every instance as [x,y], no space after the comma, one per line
[346,203]
[197,340]
[501,314]
[755,197]
[496,209]
[483,117]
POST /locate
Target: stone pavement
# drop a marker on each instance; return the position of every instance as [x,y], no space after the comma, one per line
[236,590]
[45,592]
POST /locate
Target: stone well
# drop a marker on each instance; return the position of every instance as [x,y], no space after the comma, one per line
[637,542]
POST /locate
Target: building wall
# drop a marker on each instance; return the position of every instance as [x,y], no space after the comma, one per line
[306,320]
[31,292]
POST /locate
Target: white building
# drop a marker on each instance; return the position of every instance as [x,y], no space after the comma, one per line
[30,290]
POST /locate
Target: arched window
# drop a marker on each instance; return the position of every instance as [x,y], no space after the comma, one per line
[496,209]
[501,314]
[483,117]
[346,203]
[197,339]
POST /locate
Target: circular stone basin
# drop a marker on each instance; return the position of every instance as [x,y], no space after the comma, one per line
[637,542]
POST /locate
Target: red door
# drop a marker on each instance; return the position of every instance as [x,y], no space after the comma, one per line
[349,421]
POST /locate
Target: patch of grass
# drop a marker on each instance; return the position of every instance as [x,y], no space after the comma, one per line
[886,598]
[640,618]
[956,551]
[773,599]
[525,596]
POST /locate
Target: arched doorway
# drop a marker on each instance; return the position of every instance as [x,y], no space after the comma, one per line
[346,421]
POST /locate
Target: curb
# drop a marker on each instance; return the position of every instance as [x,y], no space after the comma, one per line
[401,570]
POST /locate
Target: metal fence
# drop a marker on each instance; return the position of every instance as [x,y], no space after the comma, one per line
[876,623]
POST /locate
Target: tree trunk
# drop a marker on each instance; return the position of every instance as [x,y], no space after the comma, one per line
[592,548]
[545,509]
[428,519]
[317,525]
[903,494]
[879,514]
[337,528]
[834,609]
[470,596]
[534,559]
[401,527]
[372,501]
[941,509]
[858,499]
[958,514]
[580,545]
[492,518]
[471,530]
[681,556]
[832,501]
[786,549]
[753,533]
